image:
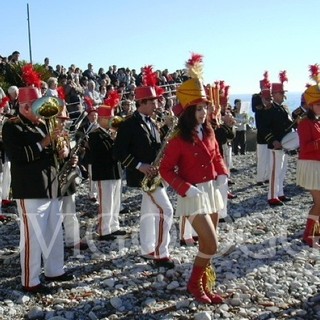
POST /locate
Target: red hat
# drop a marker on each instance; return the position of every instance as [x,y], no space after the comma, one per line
[28,95]
[146,93]
[105,111]
[278,87]
[149,90]
[91,109]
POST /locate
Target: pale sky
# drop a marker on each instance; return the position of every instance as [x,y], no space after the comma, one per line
[239,39]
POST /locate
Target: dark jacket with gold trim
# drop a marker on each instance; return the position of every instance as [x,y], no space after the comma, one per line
[33,174]
[275,124]
[104,166]
[134,144]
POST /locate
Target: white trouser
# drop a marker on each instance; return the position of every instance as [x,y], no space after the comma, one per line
[227,155]
[155,223]
[278,169]
[40,235]
[186,229]
[109,192]
[263,162]
[222,186]
[93,185]
[70,221]
[6,180]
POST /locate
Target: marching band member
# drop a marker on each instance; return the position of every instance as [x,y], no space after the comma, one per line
[308,166]
[28,145]
[106,171]
[275,125]
[136,146]
[260,103]
[191,164]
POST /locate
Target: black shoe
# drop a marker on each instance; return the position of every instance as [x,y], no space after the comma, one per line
[119,233]
[284,198]
[164,262]
[260,183]
[79,246]
[62,278]
[40,288]
[233,170]
[266,181]
[230,182]
[107,237]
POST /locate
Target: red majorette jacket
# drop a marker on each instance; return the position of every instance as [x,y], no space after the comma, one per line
[309,139]
[185,163]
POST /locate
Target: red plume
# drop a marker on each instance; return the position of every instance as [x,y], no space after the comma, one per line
[221,85]
[283,76]
[314,71]
[159,91]
[266,82]
[61,93]
[30,76]
[226,91]
[4,102]
[113,99]
[195,59]
[149,77]
[88,101]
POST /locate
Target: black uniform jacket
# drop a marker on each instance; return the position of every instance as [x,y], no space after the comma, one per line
[33,174]
[104,166]
[275,124]
[134,144]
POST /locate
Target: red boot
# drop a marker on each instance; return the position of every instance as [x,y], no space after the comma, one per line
[311,233]
[195,285]
[208,280]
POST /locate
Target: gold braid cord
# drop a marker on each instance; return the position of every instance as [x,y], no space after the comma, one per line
[211,276]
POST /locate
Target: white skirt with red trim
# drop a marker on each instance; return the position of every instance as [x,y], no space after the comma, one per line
[210,201]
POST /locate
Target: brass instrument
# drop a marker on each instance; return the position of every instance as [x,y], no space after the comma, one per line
[115,122]
[69,172]
[150,184]
[48,109]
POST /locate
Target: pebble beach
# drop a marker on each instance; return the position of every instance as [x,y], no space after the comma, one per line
[264,270]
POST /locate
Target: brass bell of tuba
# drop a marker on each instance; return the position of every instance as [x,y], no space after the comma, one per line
[47,107]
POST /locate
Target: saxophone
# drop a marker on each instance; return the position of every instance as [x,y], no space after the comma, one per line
[150,184]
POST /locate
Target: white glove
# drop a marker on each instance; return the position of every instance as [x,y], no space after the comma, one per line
[193,192]
[222,179]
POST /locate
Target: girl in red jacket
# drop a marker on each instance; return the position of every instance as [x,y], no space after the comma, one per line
[308,166]
[191,164]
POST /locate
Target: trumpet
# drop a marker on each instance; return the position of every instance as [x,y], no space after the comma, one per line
[115,122]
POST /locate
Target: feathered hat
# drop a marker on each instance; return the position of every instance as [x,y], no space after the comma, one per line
[149,89]
[312,94]
[110,104]
[265,86]
[192,91]
[223,93]
[278,87]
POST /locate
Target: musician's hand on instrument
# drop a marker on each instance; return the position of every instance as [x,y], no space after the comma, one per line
[148,169]
[63,152]
[277,145]
[193,192]
[46,141]
[74,160]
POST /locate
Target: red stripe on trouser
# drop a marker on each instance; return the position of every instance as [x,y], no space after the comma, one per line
[100,215]
[272,183]
[161,222]
[26,244]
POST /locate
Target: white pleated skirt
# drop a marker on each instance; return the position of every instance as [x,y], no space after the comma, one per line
[308,174]
[208,202]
